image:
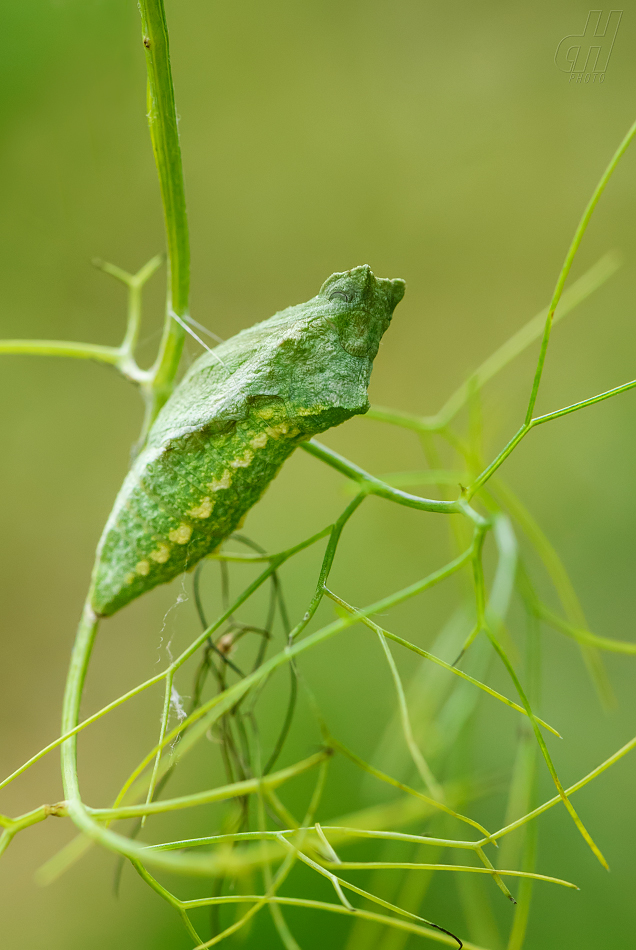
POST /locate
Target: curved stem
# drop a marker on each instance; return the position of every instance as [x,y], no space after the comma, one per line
[373,485]
[80,657]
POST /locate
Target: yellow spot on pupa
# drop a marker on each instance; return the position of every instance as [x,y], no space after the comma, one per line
[242,521]
[181,535]
[203,510]
[161,553]
[265,413]
[282,430]
[243,460]
[143,568]
[130,576]
[217,484]
[259,441]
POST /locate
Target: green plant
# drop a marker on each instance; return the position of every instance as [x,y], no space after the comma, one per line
[231,710]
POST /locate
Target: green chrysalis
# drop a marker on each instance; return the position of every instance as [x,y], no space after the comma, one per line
[236,416]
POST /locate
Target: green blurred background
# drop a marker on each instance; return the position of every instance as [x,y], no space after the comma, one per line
[438,143]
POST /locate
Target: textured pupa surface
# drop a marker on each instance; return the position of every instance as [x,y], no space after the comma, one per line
[238,413]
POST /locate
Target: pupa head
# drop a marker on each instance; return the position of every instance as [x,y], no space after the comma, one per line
[360,306]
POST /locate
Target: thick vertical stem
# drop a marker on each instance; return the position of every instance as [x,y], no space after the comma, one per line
[164,133]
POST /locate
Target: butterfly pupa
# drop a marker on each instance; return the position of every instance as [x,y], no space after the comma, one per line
[237,415]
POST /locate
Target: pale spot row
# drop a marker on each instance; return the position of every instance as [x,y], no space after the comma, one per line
[181,535]
[217,484]
[203,510]
[243,460]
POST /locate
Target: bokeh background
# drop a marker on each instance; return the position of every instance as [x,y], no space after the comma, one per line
[439,143]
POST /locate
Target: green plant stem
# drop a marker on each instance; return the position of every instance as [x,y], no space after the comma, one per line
[581,635]
[81,351]
[389,780]
[419,761]
[327,563]
[157,383]
[82,725]
[286,936]
[537,421]
[275,561]
[135,284]
[209,712]
[434,659]
[121,357]
[524,895]
[569,258]
[283,870]
[340,832]
[373,485]
[222,793]
[164,133]
[339,883]
[590,281]
[544,749]
[167,896]
[437,935]
[559,577]
[409,865]
[165,715]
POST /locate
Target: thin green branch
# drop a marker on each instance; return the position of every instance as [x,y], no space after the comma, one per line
[486,624]
[498,460]
[121,357]
[81,351]
[590,281]
[219,794]
[434,659]
[339,883]
[373,485]
[561,580]
[499,881]
[283,870]
[546,755]
[569,258]
[389,780]
[285,934]
[409,865]
[341,833]
[539,420]
[437,935]
[165,715]
[135,284]
[208,713]
[513,825]
[325,567]
[419,761]
[524,894]
[82,725]
[167,896]
[582,635]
